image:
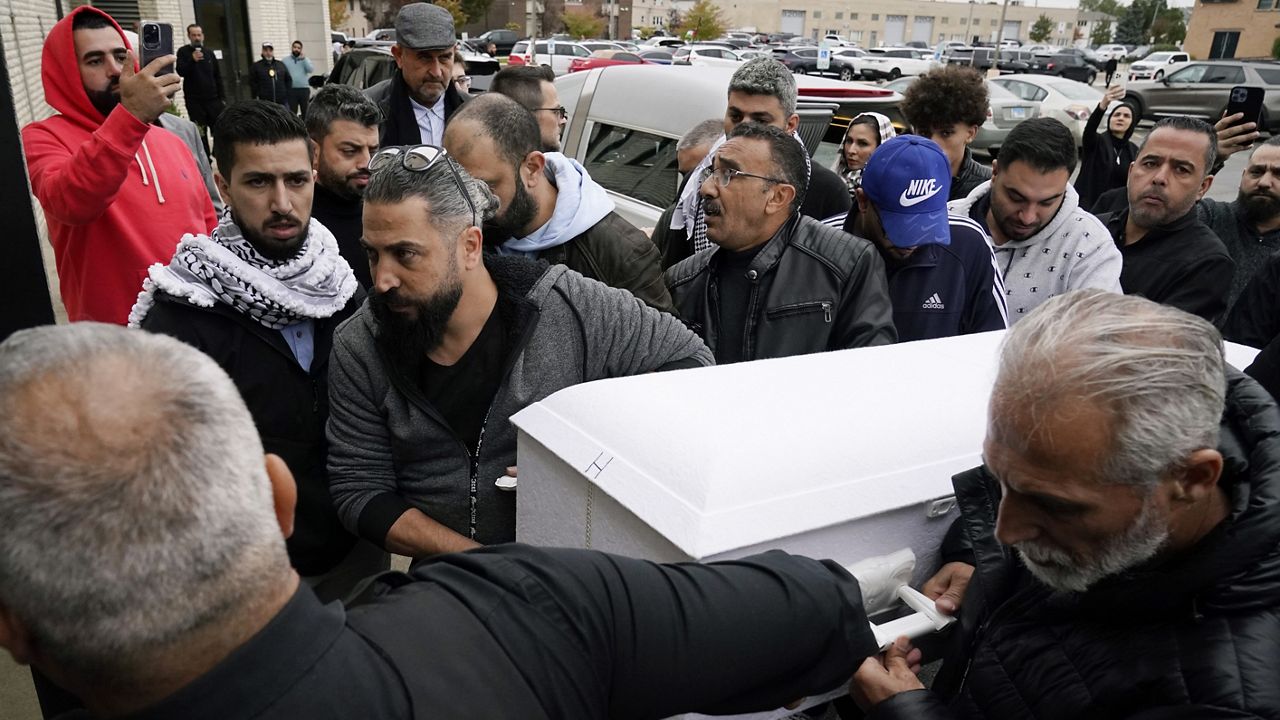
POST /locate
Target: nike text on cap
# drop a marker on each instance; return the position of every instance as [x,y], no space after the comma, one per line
[908,179]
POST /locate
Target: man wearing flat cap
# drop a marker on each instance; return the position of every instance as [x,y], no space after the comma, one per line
[269,78]
[419,99]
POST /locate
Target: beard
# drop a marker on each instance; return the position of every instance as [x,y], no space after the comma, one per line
[515,219]
[1148,217]
[273,248]
[1008,224]
[1061,571]
[407,337]
[342,185]
[1259,206]
[104,100]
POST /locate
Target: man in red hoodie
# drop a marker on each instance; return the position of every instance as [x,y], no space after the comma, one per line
[118,191]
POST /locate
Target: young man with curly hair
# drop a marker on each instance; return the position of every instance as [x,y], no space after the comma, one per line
[948,105]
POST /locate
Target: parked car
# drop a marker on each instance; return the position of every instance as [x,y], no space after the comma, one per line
[480,66]
[385,34]
[503,39]
[838,40]
[624,127]
[804,61]
[1201,89]
[1040,48]
[1068,65]
[606,58]
[658,57]
[1112,52]
[705,55]
[853,56]
[594,45]
[893,63]
[1069,101]
[1088,56]
[363,67]
[1157,65]
[1005,111]
[983,59]
[661,41]
[554,54]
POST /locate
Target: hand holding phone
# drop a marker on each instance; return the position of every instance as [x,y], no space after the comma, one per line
[1247,101]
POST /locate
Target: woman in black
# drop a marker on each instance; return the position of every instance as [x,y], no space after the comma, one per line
[1105,157]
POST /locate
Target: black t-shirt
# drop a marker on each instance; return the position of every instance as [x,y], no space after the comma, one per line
[734,294]
[463,391]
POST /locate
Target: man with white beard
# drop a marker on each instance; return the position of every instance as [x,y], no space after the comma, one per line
[1123,534]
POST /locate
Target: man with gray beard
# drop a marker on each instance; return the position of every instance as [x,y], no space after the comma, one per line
[1170,256]
[1123,535]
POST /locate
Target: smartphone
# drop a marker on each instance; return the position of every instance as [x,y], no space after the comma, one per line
[157,41]
[1247,100]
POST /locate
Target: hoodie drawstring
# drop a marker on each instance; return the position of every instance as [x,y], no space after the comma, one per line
[155,176]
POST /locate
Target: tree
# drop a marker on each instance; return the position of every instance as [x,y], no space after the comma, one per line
[382,13]
[455,8]
[1169,28]
[1106,7]
[582,23]
[1136,22]
[1042,29]
[1101,34]
[337,13]
[514,27]
[703,19]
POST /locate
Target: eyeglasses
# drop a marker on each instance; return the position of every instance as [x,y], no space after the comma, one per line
[420,158]
[725,175]
[558,111]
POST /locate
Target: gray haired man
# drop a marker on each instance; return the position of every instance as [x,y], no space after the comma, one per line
[1125,528]
[762,90]
[143,556]
[450,344]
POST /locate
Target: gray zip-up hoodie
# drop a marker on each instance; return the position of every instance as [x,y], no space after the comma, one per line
[1073,251]
[389,450]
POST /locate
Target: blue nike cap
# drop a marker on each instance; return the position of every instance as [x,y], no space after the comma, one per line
[908,179]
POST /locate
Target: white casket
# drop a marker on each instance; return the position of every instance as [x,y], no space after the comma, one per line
[843,455]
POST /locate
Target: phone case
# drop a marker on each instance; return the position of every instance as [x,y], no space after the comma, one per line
[156,40]
[1247,100]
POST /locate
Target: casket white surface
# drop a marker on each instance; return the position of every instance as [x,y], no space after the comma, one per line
[843,455]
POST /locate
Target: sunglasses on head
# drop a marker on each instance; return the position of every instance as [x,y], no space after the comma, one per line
[420,158]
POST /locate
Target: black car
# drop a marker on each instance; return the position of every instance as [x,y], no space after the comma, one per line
[1067,65]
[804,61]
[504,39]
[983,58]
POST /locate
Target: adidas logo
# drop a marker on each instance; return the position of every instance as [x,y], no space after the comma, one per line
[934,303]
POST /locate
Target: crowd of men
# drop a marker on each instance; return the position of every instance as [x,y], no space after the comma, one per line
[323,374]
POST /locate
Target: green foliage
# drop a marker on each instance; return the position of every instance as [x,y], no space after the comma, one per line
[514,27]
[1169,28]
[1135,26]
[1108,7]
[704,19]
[645,32]
[1101,34]
[582,24]
[456,9]
[1042,29]
[1275,49]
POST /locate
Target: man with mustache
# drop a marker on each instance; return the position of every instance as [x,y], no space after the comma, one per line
[1250,225]
[1123,534]
[420,98]
[550,208]
[117,189]
[452,342]
[1170,256]
[1045,243]
[262,296]
[343,124]
[777,282]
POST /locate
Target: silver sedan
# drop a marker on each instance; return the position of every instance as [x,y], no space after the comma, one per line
[1005,111]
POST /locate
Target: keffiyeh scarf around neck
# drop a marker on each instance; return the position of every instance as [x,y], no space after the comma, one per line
[227,269]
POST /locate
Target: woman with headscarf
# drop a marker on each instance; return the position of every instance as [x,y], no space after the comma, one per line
[1105,157]
[866,132]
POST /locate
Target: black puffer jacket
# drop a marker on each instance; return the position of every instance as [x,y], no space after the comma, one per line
[814,288]
[1198,637]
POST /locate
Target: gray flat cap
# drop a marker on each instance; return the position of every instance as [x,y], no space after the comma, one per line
[423,26]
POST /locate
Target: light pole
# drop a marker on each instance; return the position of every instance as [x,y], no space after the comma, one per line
[969,27]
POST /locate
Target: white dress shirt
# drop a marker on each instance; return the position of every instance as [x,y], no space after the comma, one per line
[430,121]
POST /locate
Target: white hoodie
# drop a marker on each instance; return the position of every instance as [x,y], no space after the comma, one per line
[1075,250]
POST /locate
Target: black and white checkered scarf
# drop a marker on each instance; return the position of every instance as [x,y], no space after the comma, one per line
[227,269]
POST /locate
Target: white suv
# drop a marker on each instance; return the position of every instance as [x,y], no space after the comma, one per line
[1156,65]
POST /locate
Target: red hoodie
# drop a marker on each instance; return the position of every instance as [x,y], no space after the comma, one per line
[117,194]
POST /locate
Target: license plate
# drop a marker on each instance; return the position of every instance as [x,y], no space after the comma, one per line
[1017,113]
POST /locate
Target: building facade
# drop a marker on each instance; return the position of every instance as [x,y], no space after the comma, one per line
[1233,29]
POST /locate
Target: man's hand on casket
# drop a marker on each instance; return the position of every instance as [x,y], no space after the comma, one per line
[947,587]
[880,678]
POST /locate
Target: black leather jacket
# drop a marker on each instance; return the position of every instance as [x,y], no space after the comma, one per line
[619,255]
[814,288]
[1194,636]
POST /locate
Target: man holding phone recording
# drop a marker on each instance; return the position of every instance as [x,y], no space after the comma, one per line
[118,190]
[201,82]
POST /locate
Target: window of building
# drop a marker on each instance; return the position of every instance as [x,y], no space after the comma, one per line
[875,17]
[840,15]
[964,21]
[853,16]
[993,22]
[945,19]
[634,163]
[1264,4]
[817,14]
[856,36]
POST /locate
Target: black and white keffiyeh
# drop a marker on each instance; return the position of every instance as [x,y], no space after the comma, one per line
[225,268]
